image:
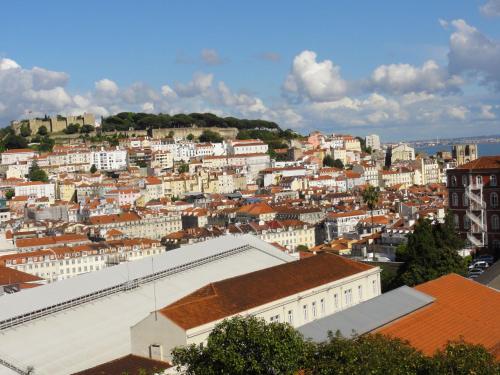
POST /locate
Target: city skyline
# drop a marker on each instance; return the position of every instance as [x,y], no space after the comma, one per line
[398,70]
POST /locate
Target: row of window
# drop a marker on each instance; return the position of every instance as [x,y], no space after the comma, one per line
[495,222]
[315,312]
[479,180]
[465,200]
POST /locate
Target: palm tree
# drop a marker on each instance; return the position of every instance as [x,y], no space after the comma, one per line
[370,197]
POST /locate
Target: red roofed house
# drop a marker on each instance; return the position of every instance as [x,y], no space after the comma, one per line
[462,309]
[296,292]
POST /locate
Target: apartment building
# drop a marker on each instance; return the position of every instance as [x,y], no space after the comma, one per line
[58,263]
[287,233]
[339,223]
[36,189]
[247,146]
[17,155]
[110,159]
[474,201]
[38,243]
[373,141]
[153,225]
[297,293]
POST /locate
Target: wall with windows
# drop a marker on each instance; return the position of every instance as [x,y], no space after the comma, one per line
[296,310]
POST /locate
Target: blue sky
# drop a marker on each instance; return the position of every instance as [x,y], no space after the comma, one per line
[401,69]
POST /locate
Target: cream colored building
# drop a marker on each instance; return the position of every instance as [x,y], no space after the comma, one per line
[333,283]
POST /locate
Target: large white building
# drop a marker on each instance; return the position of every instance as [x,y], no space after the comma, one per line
[373,141]
[247,146]
[35,189]
[296,293]
[17,155]
[110,160]
[88,318]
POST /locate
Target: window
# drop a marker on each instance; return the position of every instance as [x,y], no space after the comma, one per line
[453,181]
[348,297]
[479,180]
[466,222]
[290,316]
[306,315]
[494,199]
[456,221]
[374,287]
[454,199]
[466,200]
[322,302]
[336,300]
[360,292]
[275,319]
[315,313]
[493,180]
[495,222]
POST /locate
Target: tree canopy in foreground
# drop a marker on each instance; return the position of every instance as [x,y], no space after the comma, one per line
[249,345]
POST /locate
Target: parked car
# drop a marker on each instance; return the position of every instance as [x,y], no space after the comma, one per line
[479,264]
[486,258]
[475,272]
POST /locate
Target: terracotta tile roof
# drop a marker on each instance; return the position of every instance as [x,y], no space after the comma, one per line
[42,241]
[9,276]
[129,364]
[257,209]
[484,162]
[463,309]
[234,295]
[119,218]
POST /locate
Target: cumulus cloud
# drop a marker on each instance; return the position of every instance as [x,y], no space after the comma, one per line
[316,81]
[474,53]
[8,64]
[199,85]
[486,112]
[491,8]
[211,57]
[106,87]
[404,78]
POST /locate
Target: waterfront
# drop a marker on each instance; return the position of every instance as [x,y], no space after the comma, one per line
[484,149]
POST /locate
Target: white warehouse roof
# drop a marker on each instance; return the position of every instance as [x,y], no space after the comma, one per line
[97,309]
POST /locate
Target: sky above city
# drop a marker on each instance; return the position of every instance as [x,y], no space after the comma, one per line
[404,70]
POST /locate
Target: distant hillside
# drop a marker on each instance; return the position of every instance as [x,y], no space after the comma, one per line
[145,121]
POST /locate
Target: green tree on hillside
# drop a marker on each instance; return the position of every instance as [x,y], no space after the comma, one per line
[190,137]
[25,130]
[42,130]
[210,136]
[36,173]
[13,141]
[72,129]
[93,169]
[431,252]
[86,129]
[46,144]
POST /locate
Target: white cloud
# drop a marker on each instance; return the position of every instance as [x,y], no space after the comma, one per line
[8,64]
[458,112]
[491,8]
[106,87]
[473,52]
[199,85]
[316,81]
[403,78]
[210,57]
[486,112]
[168,92]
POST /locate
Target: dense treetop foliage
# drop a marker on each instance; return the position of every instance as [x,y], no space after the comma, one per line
[143,121]
[431,252]
[251,346]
